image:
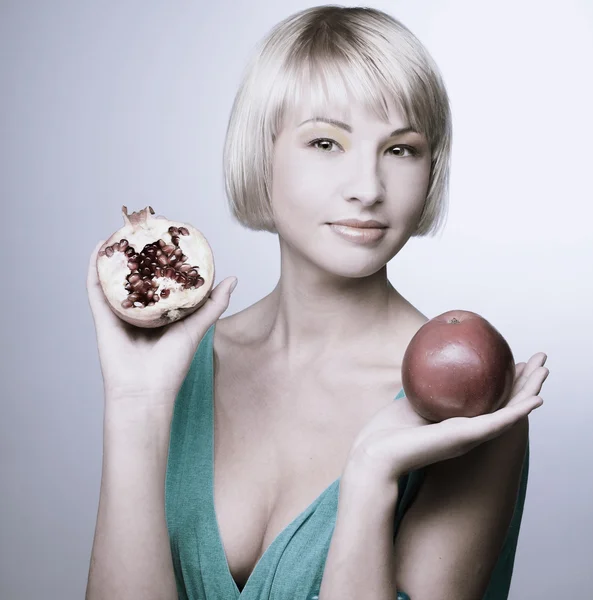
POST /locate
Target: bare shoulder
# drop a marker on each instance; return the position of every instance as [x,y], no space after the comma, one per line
[238,329]
[235,336]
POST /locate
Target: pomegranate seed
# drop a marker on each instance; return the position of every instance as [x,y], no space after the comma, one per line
[173,230]
[175,239]
[133,266]
[183,231]
[109,251]
[185,268]
[130,251]
[169,249]
[123,244]
[127,304]
[163,260]
[165,293]
[162,243]
[169,272]
[101,252]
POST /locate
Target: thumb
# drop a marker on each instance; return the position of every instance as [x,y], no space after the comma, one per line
[218,301]
[220,297]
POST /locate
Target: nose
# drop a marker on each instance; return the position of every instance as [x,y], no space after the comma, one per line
[365,183]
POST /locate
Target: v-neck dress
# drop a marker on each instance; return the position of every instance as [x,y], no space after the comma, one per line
[291,568]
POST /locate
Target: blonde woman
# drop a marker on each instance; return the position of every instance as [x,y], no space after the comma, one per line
[272,454]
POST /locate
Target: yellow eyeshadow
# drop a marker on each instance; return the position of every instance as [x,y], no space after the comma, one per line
[315,132]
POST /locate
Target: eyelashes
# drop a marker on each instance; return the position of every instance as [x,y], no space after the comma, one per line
[412,151]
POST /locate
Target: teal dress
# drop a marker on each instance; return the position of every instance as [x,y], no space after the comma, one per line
[292,566]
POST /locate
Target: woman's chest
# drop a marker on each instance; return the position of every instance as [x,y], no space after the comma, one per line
[279,442]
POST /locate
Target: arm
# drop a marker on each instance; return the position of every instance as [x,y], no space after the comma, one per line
[360,558]
[457,525]
[131,556]
[449,540]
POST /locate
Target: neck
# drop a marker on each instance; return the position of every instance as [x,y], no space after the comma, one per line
[311,315]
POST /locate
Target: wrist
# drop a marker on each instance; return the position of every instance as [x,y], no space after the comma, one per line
[367,483]
[365,469]
[145,412]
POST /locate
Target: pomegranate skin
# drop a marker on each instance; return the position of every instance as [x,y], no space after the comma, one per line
[457,365]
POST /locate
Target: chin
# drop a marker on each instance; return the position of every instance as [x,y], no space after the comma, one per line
[353,265]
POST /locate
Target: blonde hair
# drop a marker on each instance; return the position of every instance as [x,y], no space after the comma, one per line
[323,54]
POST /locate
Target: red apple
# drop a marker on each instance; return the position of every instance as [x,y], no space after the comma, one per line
[457,365]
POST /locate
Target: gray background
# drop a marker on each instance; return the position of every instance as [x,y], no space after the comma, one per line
[107,103]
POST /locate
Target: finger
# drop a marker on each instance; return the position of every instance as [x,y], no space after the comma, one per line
[536,361]
[506,417]
[519,368]
[476,430]
[99,306]
[202,319]
[519,379]
[532,385]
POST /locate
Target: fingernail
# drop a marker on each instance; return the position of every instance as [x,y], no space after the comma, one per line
[233,285]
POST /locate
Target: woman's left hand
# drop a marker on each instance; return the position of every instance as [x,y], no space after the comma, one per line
[398,440]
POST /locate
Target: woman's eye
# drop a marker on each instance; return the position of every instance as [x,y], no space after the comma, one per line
[317,144]
[326,145]
[412,151]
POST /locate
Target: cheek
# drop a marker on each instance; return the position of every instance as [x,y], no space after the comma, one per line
[409,188]
[297,189]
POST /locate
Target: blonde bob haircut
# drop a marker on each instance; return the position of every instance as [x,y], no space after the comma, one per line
[333,54]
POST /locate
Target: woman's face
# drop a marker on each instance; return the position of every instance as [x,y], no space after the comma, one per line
[323,173]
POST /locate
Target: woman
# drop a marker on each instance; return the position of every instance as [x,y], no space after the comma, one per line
[292,467]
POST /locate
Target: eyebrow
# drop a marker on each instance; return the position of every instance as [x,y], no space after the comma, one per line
[348,128]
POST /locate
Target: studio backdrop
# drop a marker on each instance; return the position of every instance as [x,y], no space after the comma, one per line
[108,103]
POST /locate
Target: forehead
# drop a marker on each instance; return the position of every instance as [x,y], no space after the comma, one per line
[350,111]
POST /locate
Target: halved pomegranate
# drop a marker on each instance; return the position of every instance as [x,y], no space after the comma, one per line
[154,271]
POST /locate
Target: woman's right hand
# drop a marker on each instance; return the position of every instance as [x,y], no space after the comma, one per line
[148,365]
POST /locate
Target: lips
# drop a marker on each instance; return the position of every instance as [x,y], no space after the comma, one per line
[370,224]
[368,233]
